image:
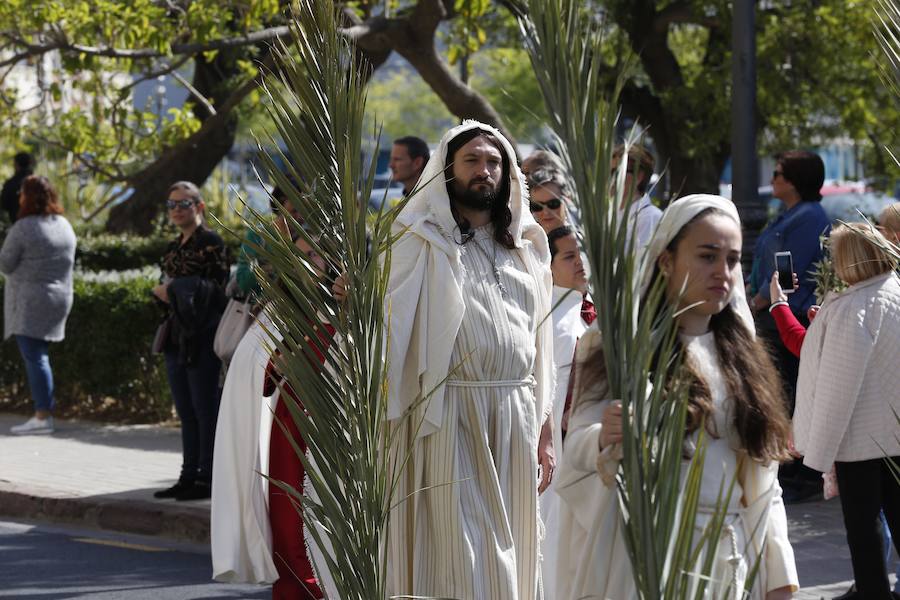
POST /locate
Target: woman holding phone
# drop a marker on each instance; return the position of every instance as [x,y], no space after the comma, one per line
[796,181]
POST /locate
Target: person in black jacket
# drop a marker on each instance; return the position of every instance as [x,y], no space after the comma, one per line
[9,196]
[194,269]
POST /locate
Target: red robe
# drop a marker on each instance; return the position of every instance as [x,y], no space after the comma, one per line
[296,580]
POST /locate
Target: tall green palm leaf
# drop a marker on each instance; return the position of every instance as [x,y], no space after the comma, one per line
[317,104]
[564,39]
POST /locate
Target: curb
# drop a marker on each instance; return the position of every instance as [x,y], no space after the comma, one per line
[184,523]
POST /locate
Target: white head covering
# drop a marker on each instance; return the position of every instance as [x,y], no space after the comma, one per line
[424,298]
[431,201]
[673,220]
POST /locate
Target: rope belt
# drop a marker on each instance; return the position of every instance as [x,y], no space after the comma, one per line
[527,382]
[735,558]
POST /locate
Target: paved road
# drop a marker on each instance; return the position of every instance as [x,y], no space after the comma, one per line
[40,562]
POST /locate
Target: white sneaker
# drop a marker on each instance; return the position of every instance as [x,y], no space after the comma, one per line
[34,426]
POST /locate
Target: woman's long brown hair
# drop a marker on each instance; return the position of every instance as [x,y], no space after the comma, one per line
[760,413]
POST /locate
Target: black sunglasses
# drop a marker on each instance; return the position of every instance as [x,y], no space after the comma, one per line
[552,204]
[173,204]
[776,174]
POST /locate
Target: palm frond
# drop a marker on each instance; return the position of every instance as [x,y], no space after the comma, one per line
[317,103]
[564,39]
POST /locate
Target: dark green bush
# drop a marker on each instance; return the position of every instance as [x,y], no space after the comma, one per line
[107,252]
[104,368]
[118,252]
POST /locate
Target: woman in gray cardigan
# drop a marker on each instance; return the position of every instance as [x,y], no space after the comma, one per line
[37,258]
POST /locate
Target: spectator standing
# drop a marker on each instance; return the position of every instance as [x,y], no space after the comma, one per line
[542,159]
[37,259]
[847,399]
[549,196]
[245,277]
[194,271]
[408,158]
[23,165]
[796,181]
[643,215]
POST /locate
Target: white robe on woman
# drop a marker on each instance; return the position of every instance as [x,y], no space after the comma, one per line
[593,560]
[240,533]
[568,326]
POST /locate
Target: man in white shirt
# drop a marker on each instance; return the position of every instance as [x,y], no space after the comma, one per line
[643,215]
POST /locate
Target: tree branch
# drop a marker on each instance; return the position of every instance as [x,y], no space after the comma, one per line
[60,42]
[682,12]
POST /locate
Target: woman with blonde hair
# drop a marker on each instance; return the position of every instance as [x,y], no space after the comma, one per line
[734,395]
[848,399]
[889,222]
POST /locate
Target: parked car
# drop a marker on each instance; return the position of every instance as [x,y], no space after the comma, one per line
[384,190]
[853,207]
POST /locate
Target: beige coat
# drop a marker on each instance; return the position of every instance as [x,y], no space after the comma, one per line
[848,391]
[593,560]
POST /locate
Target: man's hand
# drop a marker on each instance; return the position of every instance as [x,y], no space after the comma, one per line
[161,291]
[611,432]
[339,289]
[546,455]
[782,593]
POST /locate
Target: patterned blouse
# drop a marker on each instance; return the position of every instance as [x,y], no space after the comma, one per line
[203,254]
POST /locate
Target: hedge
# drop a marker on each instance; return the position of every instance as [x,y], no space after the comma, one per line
[107,252]
[104,368]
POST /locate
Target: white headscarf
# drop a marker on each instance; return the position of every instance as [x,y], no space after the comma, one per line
[673,220]
[430,200]
[424,300]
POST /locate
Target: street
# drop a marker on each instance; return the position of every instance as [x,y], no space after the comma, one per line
[59,562]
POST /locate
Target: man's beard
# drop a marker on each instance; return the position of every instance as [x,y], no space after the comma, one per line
[474,199]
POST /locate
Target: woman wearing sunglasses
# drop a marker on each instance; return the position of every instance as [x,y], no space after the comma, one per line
[194,271]
[548,189]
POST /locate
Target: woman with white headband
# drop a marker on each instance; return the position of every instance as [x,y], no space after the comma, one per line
[733,395]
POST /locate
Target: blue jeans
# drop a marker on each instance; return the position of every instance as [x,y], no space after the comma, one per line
[37,367]
[195,390]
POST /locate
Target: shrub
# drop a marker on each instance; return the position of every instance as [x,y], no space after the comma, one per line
[108,252]
[104,368]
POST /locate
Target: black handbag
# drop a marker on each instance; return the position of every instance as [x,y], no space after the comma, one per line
[161,338]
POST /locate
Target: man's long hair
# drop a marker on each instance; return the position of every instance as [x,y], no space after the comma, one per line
[501,215]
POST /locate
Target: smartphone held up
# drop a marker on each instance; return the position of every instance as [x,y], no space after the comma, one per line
[784,266]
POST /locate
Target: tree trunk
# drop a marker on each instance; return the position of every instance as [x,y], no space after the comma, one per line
[193,159]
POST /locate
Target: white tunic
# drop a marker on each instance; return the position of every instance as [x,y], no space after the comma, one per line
[240,533]
[476,525]
[593,561]
[567,328]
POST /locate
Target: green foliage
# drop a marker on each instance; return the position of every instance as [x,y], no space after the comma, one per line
[403,105]
[104,366]
[318,105]
[109,252]
[505,77]
[88,97]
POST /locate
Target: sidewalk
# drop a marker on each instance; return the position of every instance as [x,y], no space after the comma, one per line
[104,476]
[98,475]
